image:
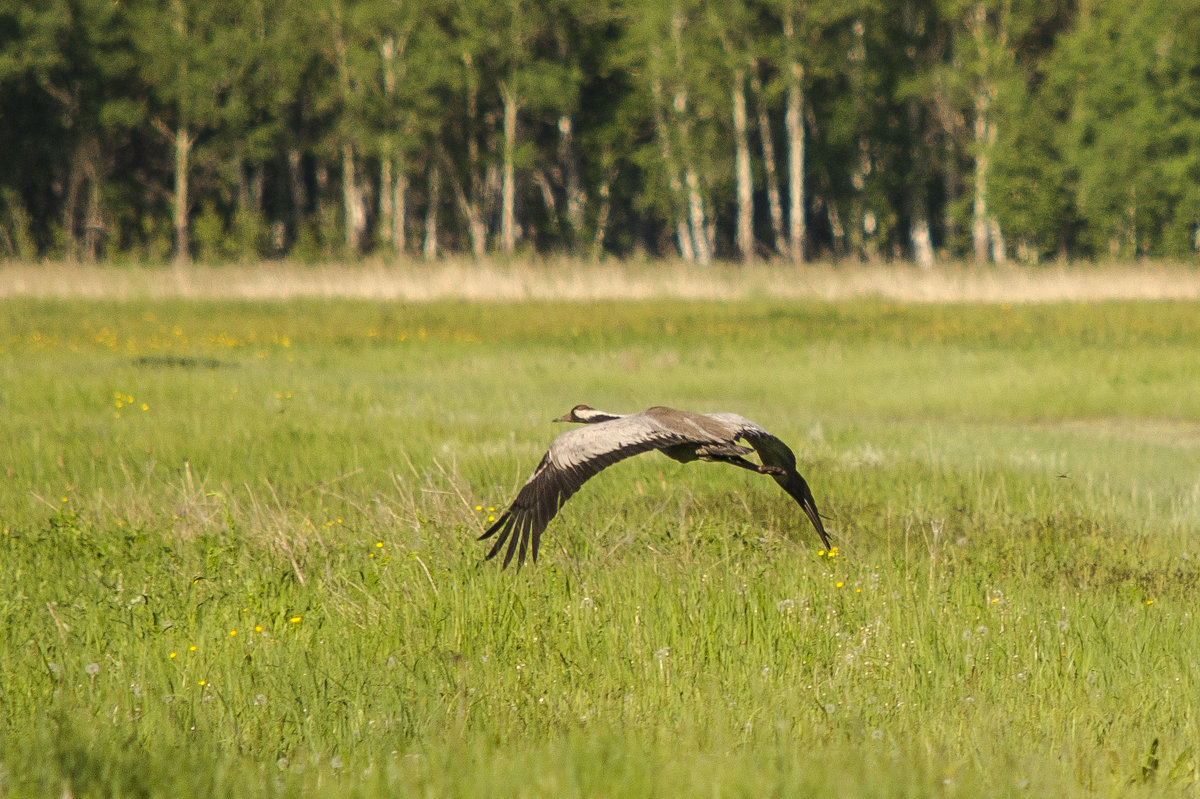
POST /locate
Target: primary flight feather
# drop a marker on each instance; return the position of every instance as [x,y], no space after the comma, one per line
[605,438]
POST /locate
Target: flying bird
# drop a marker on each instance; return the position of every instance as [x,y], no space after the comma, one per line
[605,438]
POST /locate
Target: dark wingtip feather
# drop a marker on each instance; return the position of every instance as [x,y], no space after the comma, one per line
[504,526]
[513,539]
[488,533]
[525,536]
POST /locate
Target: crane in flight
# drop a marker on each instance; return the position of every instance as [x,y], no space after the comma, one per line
[605,438]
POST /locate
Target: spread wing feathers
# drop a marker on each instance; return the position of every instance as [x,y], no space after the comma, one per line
[573,458]
[773,452]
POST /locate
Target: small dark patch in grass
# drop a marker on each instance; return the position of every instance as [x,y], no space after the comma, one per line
[181,362]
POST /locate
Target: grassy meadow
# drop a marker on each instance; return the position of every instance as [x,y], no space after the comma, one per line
[238,552]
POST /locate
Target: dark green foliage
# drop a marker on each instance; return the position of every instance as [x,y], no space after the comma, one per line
[348,127]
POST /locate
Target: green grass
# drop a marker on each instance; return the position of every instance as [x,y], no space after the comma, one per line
[1015,493]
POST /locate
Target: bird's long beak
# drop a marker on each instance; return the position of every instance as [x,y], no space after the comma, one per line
[566,417]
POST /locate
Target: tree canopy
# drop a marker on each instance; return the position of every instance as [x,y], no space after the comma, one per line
[700,129]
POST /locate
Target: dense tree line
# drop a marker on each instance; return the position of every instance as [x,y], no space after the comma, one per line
[738,129]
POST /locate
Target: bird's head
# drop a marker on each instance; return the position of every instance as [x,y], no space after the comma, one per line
[586,414]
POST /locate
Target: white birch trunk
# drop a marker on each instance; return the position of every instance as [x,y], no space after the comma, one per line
[508,222]
[922,242]
[999,250]
[93,231]
[982,224]
[393,210]
[794,124]
[683,236]
[352,201]
[745,184]
[386,196]
[575,195]
[183,150]
[433,198]
[793,119]
[691,178]
[696,218]
[774,204]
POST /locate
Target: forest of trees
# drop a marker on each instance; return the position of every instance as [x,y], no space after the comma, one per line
[227,130]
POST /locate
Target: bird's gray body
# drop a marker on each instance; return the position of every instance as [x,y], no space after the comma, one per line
[606,438]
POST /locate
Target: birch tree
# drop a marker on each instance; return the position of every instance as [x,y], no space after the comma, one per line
[188,72]
[515,55]
[407,74]
[800,51]
[734,26]
[1131,76]
[678,53]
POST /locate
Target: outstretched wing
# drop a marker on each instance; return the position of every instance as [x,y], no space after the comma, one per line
[573,458]
[773,452]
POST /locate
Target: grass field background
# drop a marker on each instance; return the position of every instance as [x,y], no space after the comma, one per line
[239,556]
